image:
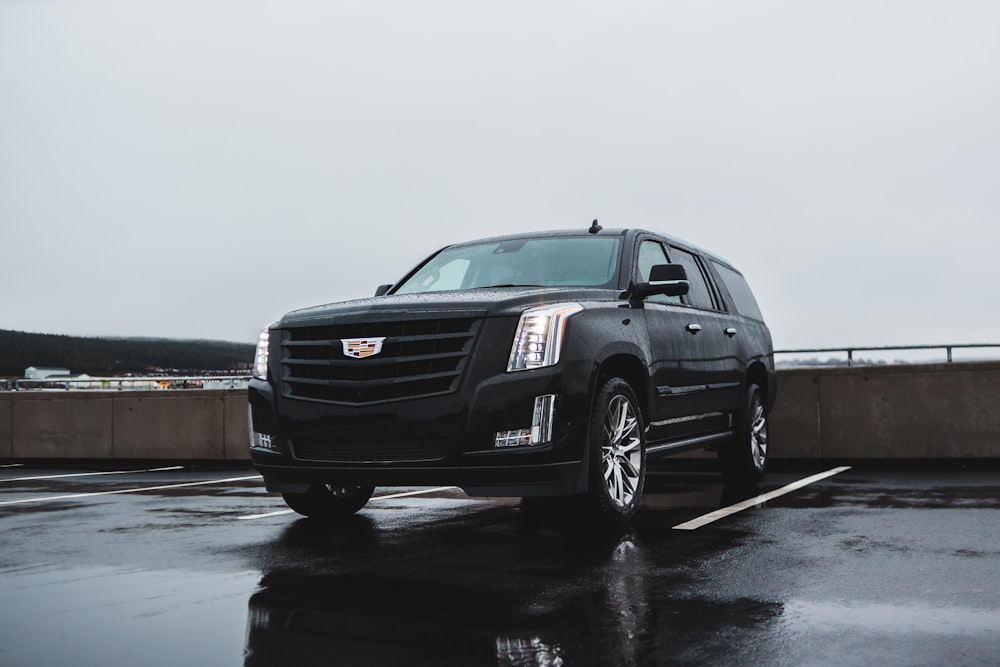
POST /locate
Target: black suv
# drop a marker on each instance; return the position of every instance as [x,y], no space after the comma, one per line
[542,364]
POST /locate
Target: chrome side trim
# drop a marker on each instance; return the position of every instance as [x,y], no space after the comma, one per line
[691,418]
[690,443]
[666,390]
[724,385]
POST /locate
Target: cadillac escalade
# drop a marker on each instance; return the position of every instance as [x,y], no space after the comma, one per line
[537,364]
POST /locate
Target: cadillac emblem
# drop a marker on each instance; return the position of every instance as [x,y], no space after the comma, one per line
[359,348]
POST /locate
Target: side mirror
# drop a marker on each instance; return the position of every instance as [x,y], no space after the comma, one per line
[668,279]
[382,289]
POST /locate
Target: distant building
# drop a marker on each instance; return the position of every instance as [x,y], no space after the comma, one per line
[43,372]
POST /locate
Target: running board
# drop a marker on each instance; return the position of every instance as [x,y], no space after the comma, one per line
[698,442]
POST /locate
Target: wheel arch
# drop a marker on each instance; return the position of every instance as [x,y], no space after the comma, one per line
[629,368]
[758,374]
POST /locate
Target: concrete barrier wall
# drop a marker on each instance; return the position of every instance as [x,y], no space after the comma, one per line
[6,435]
[181,424]
[883,412]
[888,412]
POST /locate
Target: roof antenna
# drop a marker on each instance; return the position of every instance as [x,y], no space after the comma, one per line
[594,228]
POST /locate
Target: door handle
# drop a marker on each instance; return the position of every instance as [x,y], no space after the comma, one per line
[731,331]
[693,328]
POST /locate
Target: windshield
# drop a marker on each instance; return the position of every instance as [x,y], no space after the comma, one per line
[568,261]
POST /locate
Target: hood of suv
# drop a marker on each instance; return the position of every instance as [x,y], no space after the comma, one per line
[486,302]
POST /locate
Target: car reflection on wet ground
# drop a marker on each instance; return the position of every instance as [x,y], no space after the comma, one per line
[172,567]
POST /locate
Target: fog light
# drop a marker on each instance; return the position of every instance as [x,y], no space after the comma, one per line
[513,438]
[541,426]
[259,440]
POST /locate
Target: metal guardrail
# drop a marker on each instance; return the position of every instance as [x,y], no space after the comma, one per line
[887,348]
[137,383]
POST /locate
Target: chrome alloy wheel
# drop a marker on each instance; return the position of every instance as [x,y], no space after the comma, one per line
[621,451]
[758,434]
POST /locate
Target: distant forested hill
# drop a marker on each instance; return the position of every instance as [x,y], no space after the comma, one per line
[115,356]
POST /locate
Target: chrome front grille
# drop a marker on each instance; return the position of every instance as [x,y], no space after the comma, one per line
[418,358]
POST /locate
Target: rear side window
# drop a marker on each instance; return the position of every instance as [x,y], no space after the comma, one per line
[739,290]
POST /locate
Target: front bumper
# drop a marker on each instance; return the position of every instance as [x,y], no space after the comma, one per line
[439,440]
[551,479]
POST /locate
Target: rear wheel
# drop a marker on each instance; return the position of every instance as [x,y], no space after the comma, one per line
[329,502]
[617,453]
[745,458]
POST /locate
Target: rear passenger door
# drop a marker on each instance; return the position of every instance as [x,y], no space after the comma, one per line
[748,333]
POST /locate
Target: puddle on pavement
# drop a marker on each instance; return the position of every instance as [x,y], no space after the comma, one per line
[54,615]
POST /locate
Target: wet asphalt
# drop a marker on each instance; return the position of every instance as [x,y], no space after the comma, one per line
[868,566]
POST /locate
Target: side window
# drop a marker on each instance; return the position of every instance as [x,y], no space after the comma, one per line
[650,254]
[699,295]
[746,304]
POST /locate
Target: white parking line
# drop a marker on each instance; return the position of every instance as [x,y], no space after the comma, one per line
[12,465]
[89,474]
[404,494]
[135,490]
[265,515]
[756,500]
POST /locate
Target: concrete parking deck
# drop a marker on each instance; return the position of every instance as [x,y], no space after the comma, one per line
[182,567]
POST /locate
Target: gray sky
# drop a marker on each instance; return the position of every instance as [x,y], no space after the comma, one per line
[195,169]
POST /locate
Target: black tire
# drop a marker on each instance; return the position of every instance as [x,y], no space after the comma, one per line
[329,502]
[744,459]
[617,450]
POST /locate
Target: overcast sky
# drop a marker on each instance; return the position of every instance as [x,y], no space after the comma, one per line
[195,169]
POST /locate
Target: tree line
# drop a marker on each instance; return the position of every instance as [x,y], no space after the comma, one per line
[118,356]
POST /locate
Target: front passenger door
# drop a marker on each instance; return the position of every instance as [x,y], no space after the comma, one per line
[677,355]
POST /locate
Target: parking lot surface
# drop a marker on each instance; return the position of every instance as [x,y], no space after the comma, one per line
[188,566]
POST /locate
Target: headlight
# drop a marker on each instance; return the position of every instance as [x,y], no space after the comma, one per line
[260,357]
[539,336]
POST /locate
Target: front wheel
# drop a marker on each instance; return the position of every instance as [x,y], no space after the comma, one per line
[329,502]
[617,453]
[745,458]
